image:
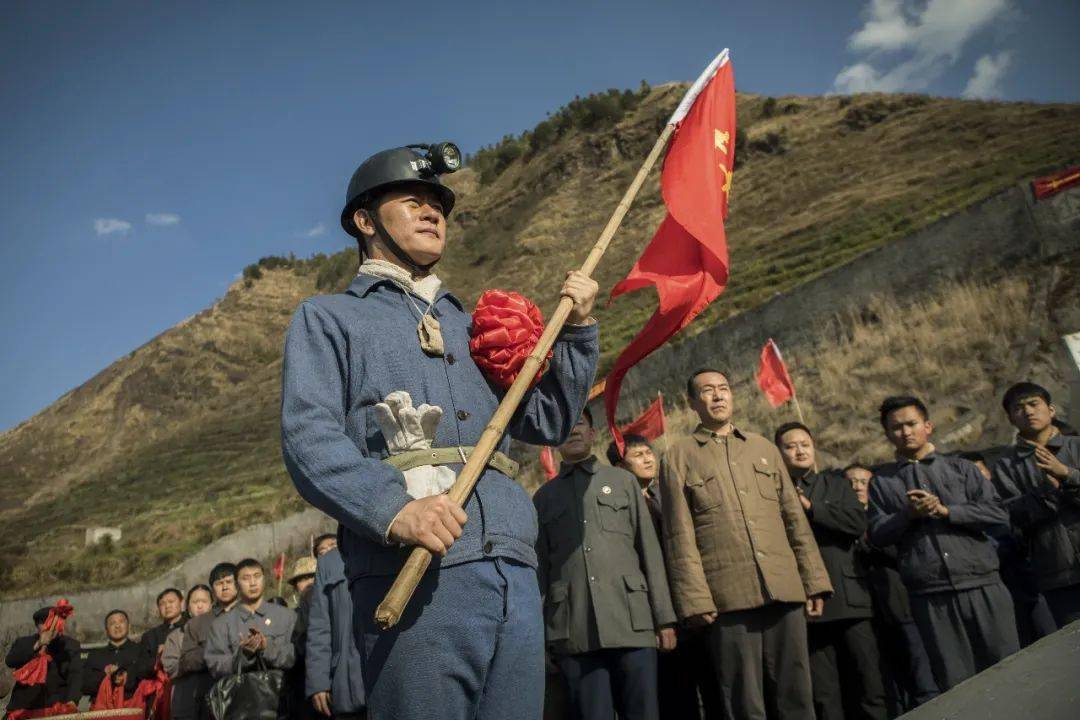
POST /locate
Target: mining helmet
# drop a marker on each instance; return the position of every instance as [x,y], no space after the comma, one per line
[398,166]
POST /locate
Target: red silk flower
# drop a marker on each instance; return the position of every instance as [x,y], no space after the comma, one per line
[35,671]
[506,328]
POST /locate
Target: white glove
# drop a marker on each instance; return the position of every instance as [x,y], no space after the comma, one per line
[407,428]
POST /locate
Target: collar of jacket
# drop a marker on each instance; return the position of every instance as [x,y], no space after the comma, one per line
[245,612]
[926,459]
[364,284]
[587,465]
[703,435]
[1023,449]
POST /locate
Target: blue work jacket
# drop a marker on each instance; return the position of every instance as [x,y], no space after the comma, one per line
[344,353]
[332,659]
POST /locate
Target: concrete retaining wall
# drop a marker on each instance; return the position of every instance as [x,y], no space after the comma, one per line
[290,535]
[1007,229]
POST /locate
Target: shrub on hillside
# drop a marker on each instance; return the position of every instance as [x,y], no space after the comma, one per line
[594,112]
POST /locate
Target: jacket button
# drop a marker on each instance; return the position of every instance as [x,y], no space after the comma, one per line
[488,547]
[462,415]
[588,549]
[450,360]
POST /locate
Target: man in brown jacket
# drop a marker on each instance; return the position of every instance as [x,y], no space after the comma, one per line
[741,557]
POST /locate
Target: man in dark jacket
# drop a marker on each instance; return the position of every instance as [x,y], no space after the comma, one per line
[170,605]
[119,657]
[937,510]
[607,607]
[686,672]
[63,679]
[843,650]
[333,684]
[905,666]
[1039,483]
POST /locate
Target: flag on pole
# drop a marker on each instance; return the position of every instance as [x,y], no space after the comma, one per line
[1044,187]
[773,377]
[687,259]
[651,424]
[279,567]
[547,461]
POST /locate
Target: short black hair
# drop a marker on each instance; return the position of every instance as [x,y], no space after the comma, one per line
[1023,391]
[41,615]
[631,440]
[200,586]
[278,600]
[858,466]
[702,371]
[788,427]
[116,611]
[168,591]
[222,569]
[319,541]
[249,562]
[587,414]
[897,402]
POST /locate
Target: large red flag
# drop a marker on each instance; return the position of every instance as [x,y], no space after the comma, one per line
[773,377]
[687,259]
[650,424]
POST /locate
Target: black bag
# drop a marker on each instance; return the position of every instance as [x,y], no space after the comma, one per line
[249,695]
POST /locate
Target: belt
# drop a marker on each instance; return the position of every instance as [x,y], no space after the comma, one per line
[448,456]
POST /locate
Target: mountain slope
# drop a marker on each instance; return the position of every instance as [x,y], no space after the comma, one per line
[177,442]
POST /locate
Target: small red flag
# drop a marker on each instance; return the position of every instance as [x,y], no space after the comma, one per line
[772,376]
[547,461]
[687,259]
[1044,187]
[279,567]
[651,424]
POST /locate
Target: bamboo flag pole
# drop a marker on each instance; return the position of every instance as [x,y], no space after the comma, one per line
[389,611]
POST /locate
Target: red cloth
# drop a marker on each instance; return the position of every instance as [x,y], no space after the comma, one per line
[157,689]
[506,328]
[1044,187]
[279,567]
[35,671]
[651,423]
[687,259]
[59,708]
[547,461]
[772,376]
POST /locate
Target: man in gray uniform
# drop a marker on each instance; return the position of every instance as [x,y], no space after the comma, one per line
[937,509]
[253,628]
[607,607]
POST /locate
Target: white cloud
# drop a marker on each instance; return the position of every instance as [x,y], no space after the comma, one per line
[990,70]
[111,226]
[314,232]
[929,37]
[162,219]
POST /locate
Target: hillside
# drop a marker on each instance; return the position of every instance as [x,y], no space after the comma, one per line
[177,442]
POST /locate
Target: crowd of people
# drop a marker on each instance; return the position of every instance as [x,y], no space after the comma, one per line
[793,591]
[732,578]
[227,626]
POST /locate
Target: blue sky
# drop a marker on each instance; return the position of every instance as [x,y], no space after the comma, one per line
[152,150]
